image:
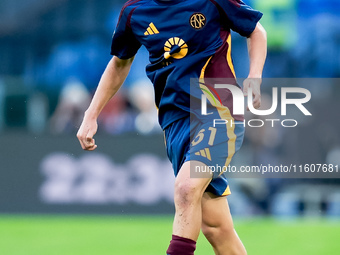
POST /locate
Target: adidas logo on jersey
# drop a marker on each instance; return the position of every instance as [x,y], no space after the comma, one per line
[151,30]
[204,153]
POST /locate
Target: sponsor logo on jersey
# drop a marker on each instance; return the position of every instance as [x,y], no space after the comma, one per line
[204,153]
[176,48]
[151,30]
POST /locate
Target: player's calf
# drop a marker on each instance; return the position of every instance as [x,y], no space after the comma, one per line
[218,227]
[224,240]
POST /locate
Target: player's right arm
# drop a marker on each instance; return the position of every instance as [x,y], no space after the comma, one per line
[110,82]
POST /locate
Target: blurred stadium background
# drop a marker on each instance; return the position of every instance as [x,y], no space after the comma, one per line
[57,199]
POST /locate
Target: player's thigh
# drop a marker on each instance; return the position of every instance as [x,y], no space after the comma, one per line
[188,186]
[216,217]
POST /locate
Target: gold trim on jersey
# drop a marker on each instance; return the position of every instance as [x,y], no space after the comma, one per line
[229,59]
[224,113]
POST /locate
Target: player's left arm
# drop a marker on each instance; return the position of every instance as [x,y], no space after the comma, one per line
[257,48]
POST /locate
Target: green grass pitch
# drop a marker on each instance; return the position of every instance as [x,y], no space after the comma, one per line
[149,235]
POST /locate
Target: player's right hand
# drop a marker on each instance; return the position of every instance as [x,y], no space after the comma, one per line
[87,130]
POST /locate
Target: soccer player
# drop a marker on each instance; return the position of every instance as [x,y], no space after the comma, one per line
[188,39]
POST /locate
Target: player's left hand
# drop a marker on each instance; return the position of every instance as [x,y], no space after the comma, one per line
[253,84]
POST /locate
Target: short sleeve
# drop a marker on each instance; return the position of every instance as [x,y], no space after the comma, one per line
[124,43]
[238,16]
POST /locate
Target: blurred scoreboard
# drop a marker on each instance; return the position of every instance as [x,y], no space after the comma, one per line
[52,174]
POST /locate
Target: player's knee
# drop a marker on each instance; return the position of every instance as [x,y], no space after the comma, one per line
[186,193]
